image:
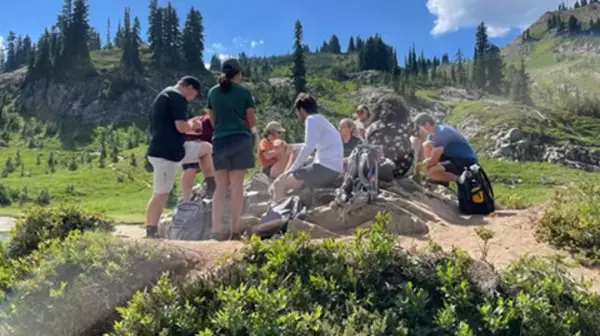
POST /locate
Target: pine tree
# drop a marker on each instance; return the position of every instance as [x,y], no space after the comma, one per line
[494,66]
[520,88]
[94,42]
[573,25]
[360,43]
[583,3]
[215,63]
[80,30]
[130,59]
[479,59]
[351,46]
[155,30]
[109,44]
[298,68]
[334,45]
[171,37]
[11,53]
[43,61]
[445,59]
[461,73]
[576,5]
[193,40]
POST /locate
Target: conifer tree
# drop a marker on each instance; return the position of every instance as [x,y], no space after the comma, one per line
[193,40]
[479,59]
[334,45]
[215,63]
[299,68]
[351,46]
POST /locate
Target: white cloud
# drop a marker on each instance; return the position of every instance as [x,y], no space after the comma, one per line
[255,44]
[216,48]
[499,16]
[224,57]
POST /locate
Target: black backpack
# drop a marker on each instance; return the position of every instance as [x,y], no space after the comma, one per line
[475,193]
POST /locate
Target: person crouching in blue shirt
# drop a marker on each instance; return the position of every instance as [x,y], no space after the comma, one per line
[446,153]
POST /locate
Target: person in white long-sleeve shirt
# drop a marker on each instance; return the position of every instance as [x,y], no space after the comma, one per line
[320,135]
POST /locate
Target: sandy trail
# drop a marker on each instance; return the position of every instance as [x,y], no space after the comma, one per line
[514,237]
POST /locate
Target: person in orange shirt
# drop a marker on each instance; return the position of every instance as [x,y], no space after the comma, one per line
[274,154]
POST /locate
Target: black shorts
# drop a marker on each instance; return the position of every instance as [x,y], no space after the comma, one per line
[455,166]
[234,152]
[316,176]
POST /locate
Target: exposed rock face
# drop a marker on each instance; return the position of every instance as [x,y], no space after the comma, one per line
[518,146]
[412,208]
[106,98]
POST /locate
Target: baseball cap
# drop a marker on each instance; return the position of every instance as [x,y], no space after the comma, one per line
[231,65]
[191,81]
[274,126]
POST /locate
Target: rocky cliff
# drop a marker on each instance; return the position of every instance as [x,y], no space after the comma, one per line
[108,97]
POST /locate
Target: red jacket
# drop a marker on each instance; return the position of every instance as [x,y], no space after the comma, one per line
[206,133]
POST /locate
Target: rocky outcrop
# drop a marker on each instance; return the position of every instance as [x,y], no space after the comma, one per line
[109,97]
[517,145]
[412,209]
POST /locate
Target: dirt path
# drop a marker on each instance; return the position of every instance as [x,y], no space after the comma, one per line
[514,237]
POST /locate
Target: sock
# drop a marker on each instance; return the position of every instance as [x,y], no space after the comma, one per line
[210,184]
[151,231]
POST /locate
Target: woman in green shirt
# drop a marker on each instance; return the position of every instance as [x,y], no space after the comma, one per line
[231,111]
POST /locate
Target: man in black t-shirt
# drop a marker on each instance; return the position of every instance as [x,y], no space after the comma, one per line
[168,124]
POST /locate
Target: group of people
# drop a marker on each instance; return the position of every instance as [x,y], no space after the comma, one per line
[223,142]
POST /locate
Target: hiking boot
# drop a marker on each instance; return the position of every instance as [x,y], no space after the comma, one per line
[219,236]
[152,232]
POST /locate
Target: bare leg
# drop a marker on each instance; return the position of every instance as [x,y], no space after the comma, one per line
[236,180]
[281,164]
[283,184]
[206,162]
[438,173]
[155,208]
[187,183]
[222,179]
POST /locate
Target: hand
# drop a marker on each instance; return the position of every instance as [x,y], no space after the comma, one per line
[197,125]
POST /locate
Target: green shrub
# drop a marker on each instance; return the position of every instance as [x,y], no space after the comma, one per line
[40,224]
[71,287]
[363,287]
[572,222]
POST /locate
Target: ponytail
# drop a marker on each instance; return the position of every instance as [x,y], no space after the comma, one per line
[225,80]
[224,83]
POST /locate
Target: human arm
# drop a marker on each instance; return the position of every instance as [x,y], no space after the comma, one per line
[311,136]
[269,153]
[440,141]
[178,109]
[250,113]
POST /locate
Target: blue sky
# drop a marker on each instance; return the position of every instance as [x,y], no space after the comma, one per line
[435,26]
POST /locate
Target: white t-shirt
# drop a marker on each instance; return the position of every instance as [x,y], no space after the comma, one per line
[322,136]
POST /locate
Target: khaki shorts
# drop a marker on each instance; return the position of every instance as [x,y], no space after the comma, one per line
[192,154]
[165,173]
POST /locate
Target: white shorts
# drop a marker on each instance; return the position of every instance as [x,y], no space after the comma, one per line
[165,173]
[192,154]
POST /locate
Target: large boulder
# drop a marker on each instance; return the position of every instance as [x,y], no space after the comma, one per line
[412,209]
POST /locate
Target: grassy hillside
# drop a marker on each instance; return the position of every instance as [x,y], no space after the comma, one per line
[562,60]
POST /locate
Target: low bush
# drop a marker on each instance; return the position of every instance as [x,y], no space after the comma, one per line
[572,222]
[367,286]
[40,224]
[72,287]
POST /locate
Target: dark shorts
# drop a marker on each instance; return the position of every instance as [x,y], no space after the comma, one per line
[234,152]
[316,176]
[455,166]
[195,165]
